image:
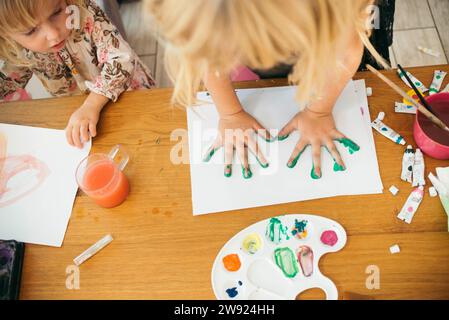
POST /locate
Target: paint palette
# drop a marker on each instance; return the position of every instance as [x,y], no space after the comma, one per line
[277,259]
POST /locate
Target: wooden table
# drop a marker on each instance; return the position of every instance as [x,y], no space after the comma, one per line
[161,251]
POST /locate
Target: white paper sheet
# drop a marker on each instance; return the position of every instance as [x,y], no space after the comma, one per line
[274,107]
[38,215]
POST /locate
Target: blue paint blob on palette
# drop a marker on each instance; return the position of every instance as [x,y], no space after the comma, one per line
[278,259]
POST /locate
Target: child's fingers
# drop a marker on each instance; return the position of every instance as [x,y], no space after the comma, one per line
[211,151]
[254,147]
[337,135]
[92,129]
[316,156]
[243,155]
[285,132]
[76,136]
[297,152]
[330,145]
[68,135]
[345,141]
[262,132]
[84,131]
[228,157]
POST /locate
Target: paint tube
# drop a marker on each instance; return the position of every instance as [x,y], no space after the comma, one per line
[428,51]
[446,89]
[411,205]
[386,131]
[419,85]
[408,161]
[418,169]
[437,82]
[404,108]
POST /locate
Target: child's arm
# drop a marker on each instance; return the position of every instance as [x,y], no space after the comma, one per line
[13,80]
[235,126]
[316,124]
[113,55]
[83,122]
[117,62]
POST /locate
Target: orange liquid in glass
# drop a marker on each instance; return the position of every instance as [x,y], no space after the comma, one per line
[107,185]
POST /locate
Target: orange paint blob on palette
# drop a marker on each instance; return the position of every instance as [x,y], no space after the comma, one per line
[232,262]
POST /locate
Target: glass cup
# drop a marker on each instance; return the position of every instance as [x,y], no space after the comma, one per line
[102,178]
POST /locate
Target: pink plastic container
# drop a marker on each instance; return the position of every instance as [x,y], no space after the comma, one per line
[433,143]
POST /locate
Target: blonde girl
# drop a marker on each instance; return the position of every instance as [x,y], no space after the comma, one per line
[323,41]
[72,47]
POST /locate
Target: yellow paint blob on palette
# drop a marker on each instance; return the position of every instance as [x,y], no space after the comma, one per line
[277,259]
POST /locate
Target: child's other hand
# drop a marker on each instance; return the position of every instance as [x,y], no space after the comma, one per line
[236,131]
[316,129]
[82,125]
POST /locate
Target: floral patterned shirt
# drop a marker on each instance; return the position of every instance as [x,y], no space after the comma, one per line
[95,59]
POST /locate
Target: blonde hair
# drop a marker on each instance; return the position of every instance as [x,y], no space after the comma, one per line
[17,16]
[217,35]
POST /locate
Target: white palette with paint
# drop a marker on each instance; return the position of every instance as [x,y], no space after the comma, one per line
[260,278]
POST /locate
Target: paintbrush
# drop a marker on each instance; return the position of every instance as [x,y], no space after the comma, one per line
[418,106]
[418,93]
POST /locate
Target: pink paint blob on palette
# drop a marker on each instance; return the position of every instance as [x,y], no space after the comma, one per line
[277,259]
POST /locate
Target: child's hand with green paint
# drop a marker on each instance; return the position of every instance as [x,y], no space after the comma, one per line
[236,131]
[316,129]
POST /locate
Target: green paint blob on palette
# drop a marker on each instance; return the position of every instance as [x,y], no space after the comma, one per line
[286,261]
[276,267]
[276,231]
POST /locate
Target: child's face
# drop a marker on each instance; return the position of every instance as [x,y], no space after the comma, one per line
[50,33]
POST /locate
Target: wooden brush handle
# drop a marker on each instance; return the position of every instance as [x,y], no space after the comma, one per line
[419,106]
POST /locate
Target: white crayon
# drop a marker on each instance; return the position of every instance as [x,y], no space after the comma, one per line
[408,161]
[386,131]
[437,82]
[404,108]
[94,249]
[418,169]
[429,51]
[411,205]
